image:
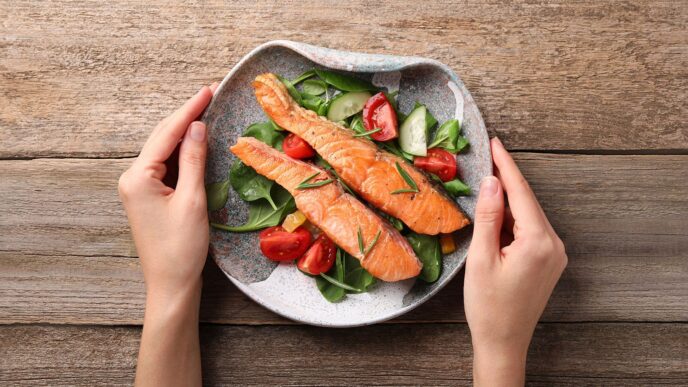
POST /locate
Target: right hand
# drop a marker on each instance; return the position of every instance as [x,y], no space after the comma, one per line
[513,264]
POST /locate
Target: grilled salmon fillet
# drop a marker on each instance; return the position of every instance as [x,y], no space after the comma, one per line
[368,170]
[339,215]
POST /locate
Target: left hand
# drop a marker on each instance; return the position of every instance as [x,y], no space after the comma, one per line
[170,225]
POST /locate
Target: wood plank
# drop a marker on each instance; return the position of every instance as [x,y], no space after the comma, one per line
[427,354]
[91,79]
[66,254]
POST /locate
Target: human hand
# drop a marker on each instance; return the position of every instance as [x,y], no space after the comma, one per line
[170,225]
[514,262]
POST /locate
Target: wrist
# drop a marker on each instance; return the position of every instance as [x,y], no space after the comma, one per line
[180,303]
[501,364]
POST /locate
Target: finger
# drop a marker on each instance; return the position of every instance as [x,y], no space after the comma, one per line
[162,142]
[522,201]
[489,213]
[192,154]
[214,86]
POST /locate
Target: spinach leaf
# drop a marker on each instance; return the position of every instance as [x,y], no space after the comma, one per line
[427,248]
[265,132]
[447,136]
[291,89]
[357,124]
[314,87]
[430,120]
[275,126]
[324,107]
[217,194]
[262,215]
[344,82]
[249,184]
[330,291]
[392,147]
[356,276]
[313,103]
[303,77]
[457,187]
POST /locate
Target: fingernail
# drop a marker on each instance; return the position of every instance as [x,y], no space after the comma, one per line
[197,131]
[498,141]
[489,186]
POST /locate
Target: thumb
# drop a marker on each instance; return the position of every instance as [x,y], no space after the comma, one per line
[489,214]
[192,153]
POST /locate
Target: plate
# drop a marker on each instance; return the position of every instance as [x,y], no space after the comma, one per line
[281,288]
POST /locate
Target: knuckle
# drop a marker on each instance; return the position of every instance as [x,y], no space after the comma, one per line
[196,159]
[487,215]
[124,186]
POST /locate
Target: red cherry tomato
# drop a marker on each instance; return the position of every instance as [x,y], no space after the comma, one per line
[294,146]
[278,244]
[438,162]
[319,258]
[379,113]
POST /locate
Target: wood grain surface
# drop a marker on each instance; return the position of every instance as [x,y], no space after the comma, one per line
[66,253]
[590,94]
[426,354]
[90,79]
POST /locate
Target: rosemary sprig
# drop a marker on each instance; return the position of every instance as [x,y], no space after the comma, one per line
[407,179]
[367,133]
[340,284]
[377,236]
[361,248]
[306,183]
[364,251]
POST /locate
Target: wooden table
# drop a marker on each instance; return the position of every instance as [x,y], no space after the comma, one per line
[589,95]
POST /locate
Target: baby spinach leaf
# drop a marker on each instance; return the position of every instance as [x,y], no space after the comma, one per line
[217,194]
[447,136]
[303,77]
[262,215]
[314,87]
[393,148]
[249,184]
[356,276]
[265,132]
[427,248]
[357,124]
[330,291]
[457,187]
[430,120]
[291,89]
[344,82]
[313,103]
[461,143]
[324,107]
[275,126]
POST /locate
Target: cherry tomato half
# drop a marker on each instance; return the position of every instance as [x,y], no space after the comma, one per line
[438,162]
[294,146]
[320,256]
[379,113]
[279,245]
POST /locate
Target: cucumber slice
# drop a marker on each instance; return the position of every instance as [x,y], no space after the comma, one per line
[413,134]
[346,105]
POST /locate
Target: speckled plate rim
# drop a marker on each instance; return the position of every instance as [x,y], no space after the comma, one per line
[366,63]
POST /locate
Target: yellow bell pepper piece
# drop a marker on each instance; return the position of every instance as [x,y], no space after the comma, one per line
[447,243]
[293,221]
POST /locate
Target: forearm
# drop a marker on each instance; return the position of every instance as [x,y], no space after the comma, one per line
[170,351]
[498,367]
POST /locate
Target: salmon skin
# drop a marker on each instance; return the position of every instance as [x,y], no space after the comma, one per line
[368,170]
[339,215]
